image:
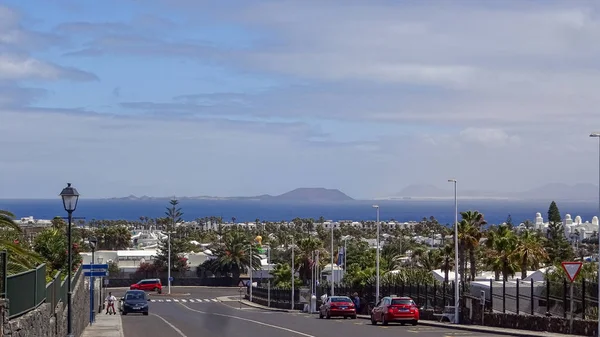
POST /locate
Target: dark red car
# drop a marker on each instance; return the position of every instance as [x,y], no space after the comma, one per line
[395,309]
[153,284]
[337,306]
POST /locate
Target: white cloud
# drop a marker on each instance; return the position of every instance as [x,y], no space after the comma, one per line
[482,92]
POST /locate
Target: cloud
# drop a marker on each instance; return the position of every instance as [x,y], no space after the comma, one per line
[363,96]
[13,67]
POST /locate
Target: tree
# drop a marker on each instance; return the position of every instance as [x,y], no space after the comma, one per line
[509,222]
[177,246]
[52,245]
[557,245]
[234,255]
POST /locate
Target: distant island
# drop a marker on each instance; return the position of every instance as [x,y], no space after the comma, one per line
[553,191]
[415,192]
[305,194]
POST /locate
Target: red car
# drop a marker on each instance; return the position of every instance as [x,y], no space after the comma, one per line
[395,309]
[337,306]
[153,284]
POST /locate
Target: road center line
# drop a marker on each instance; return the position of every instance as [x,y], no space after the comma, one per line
[171,325]
[250,320]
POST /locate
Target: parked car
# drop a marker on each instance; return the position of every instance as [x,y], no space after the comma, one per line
[395,309]
[152,284]
[337,306]
[134,301]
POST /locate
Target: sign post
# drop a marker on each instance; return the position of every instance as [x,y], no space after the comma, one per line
[572,270]
[482,298]
[92,271]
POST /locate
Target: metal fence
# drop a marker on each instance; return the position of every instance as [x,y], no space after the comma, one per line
[3,274]
[543,298]
[27,290]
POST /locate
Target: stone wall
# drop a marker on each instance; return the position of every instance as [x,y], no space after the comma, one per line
[471,314]
[45,322]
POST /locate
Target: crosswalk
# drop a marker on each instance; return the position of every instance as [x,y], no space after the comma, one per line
[185,300]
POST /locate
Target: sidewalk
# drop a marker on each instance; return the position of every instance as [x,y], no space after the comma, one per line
[473,328]
[105,326]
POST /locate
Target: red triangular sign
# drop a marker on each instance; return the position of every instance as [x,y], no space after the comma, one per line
[572,269]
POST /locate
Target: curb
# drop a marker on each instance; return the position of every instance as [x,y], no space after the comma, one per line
[475,328]
[259,306]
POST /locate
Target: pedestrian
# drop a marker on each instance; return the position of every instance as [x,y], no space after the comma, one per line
[356,301]
[110,304]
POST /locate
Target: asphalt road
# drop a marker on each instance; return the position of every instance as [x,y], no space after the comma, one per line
[199,315]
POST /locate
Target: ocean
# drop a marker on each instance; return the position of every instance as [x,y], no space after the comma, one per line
[495,211]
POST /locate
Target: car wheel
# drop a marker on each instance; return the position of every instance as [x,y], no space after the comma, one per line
[328,315]
[373,321]
[415,322]
[320,315]
[354,317]
[124,313]
[383,320]
[145,314]
[345,317]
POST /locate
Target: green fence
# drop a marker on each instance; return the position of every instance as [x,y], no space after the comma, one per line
[27,290]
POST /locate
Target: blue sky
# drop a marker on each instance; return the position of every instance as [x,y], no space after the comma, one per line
[185,97]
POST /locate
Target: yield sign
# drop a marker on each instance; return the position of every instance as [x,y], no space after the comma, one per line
[572,269]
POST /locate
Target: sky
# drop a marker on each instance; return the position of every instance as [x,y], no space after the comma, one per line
[246,97]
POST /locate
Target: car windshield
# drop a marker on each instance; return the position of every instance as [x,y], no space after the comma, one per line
[402,302]
[134,296]
[340,299]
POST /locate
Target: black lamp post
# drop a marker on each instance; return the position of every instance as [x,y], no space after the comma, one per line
[69,196]
[92,241]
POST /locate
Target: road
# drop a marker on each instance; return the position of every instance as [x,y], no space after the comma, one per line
[197,312]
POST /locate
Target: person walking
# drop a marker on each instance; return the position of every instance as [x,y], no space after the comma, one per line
[110,304]
[356,301]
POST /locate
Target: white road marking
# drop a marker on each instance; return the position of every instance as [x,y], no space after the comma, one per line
[151,300]
[168,300]
[214,300]
[175,300]
[199,300]
[191,300]
[160,301]
[206,300]
[171,325]
[251,321]
[183,300]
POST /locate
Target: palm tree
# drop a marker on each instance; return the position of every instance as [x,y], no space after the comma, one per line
[502,248]
[431,260]
[20,258]
[475,221]
[235,253]
[531,252]
[448,263]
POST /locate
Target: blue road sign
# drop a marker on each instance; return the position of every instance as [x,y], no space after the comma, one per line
[95,273]
[95,266]
[171,278]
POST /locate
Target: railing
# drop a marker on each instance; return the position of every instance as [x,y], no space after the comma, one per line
[27,290]
[541,298]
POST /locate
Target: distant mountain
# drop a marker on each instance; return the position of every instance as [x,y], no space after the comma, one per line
[554,191]
[313,194]
[318,194]
[559,191]
[430,191]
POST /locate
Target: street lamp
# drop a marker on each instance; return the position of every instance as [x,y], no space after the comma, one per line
[70,197]
[250,270]
[377,258]
[293,272]
[92,241]
[597,135]
[456,277]
[100,260]
[332,277]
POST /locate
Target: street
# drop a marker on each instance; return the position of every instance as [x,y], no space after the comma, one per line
[204,312]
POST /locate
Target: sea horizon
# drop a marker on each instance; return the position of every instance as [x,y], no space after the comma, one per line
[495,211]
